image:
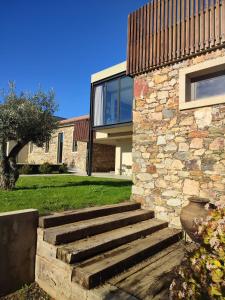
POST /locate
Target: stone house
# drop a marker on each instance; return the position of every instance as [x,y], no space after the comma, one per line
[69,145]
[178,66]
[176,58]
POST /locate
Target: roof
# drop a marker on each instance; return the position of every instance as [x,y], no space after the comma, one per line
[106,73]
[73,120]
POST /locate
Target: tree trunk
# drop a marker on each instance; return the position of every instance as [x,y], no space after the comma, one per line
[8,174]
[8,169]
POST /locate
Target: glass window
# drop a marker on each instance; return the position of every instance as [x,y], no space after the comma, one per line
[208,86]
[112,102]
[60,148]
[99,105]
[74,145]
[126,99]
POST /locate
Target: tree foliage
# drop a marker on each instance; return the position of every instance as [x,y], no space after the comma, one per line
[24,118]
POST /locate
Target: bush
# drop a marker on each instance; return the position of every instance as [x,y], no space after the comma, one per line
[26,170]
[46,168]
[202,274]
[63,168]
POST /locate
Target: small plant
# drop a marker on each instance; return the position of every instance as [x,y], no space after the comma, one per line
[63,168]
[26,170]
[202,274]
[45,168]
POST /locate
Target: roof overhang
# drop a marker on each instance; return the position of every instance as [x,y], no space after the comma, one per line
[109,72]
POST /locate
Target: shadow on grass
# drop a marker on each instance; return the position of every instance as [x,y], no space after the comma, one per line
[76,184]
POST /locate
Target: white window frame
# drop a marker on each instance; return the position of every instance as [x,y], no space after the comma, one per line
[185,76]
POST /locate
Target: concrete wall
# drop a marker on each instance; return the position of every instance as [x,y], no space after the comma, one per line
[176,153]
[18,232]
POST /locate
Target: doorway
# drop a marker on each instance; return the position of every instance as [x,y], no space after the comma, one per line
[60,148]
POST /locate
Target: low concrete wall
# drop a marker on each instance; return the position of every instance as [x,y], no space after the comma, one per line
[18,238]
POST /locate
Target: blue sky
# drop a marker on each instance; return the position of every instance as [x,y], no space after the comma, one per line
[60,43]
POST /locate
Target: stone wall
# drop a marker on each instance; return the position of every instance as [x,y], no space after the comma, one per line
[176,154]
[72,159]
[103,158]
[18,231]
[22,157]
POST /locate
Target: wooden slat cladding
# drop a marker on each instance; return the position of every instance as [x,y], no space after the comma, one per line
[81,130]
[166,31]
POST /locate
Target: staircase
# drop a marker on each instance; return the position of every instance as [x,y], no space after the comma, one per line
[84,249]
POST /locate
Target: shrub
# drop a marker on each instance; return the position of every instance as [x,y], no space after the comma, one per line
[45,168]
[201,275]
[63,168]
[26,170]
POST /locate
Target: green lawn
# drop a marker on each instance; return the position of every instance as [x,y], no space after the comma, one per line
[58,193]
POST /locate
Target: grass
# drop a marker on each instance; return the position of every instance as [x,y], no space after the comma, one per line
[59,193]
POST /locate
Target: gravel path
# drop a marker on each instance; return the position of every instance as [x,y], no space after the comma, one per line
[32,292]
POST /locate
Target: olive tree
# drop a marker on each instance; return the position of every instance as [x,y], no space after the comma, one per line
[24,118]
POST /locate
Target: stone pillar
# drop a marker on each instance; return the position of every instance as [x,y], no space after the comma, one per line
[118,162]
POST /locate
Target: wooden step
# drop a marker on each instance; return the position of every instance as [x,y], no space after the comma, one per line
[152,278]
[58,219]
[83,249]
[80,230]
[97,270]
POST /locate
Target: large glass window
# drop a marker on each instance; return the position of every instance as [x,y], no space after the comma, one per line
[113,102]
[126,99]
[208,86]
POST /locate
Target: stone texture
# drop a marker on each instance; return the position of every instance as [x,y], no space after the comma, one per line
[186,147]
[197,143]
[191,187]
[18,231]
[103,158]
[103,155]
[203,117]
[217,144]
[76,159]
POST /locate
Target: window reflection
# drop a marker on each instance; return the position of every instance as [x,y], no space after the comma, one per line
[208,86]
[113,102]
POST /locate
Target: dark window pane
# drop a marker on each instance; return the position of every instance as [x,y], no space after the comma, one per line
[126,99]
[60,147]
[208,86]
[112,102]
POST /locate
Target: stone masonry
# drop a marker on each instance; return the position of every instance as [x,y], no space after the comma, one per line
[176,154]
[72,159]
[103,158]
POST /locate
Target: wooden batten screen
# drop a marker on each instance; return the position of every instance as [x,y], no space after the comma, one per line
[166,31]
[81,130]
